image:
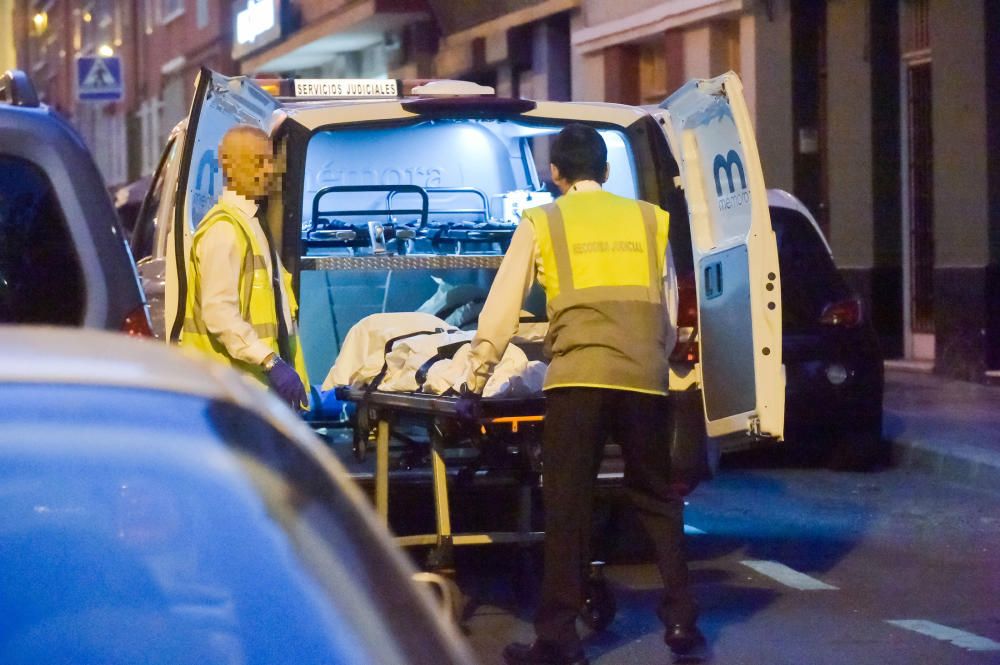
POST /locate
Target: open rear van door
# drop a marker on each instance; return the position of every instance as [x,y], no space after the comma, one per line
[735,258]
[219,103]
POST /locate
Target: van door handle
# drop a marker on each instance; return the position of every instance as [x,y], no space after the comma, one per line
[713,280]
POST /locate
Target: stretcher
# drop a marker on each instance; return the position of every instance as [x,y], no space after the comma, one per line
[506,433]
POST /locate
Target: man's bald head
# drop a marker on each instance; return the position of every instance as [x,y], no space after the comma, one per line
[247,159]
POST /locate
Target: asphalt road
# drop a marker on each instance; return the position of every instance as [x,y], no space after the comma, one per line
[791,566]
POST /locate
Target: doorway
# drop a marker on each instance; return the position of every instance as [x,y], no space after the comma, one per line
[918,181]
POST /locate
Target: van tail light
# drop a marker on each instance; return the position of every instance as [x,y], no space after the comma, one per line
[686,349]
[137,323]
[842,314]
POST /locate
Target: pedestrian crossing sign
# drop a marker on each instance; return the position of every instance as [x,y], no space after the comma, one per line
[99,79]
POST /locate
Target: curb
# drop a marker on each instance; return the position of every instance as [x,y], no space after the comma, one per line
[968,465]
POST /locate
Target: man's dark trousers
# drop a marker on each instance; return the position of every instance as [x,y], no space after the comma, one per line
[578,422]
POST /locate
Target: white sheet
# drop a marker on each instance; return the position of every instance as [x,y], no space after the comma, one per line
[362,356]
[363,352]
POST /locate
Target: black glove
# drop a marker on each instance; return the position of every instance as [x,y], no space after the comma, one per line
[286,382]
[468,407]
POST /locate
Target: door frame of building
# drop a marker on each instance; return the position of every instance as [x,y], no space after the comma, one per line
[916,345]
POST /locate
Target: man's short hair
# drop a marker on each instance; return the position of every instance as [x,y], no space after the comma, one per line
[579,153]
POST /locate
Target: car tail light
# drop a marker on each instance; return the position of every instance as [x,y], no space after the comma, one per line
[137,323]
[842,314]
[686,349]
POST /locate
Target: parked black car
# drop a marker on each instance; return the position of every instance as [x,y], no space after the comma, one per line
[63,257]
[833,364]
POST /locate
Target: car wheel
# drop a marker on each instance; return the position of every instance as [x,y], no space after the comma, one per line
[859,449]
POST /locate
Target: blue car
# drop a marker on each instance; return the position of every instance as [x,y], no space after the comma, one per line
[158,509]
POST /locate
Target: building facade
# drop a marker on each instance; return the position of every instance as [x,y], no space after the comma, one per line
[161,45]
[334,38]
[50,35]
[880,115]
[173,40]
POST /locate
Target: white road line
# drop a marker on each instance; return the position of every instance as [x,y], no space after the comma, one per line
[788,576]
[959,638]
[692,531]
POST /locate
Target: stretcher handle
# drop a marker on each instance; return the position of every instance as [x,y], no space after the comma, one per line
[390,189]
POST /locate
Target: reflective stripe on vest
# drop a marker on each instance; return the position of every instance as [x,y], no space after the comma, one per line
[257,303]
[602,259]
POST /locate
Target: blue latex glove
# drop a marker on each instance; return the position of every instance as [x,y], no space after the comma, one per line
[468,407]
[286,382]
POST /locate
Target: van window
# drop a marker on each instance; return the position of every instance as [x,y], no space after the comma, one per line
[41,280]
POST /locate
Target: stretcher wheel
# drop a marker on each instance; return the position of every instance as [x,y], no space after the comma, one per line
[599,606]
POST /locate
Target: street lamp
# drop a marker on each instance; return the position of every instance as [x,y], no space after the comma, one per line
[40,21]
[105,51]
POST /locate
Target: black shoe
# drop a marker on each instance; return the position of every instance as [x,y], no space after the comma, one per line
[684,640]
[541,653]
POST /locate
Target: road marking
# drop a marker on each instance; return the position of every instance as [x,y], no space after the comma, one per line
[959,638]
[692,531]
[788,576]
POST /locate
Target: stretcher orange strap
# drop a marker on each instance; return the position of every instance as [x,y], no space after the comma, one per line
[514,421]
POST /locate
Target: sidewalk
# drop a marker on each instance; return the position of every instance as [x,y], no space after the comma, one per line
[950,428]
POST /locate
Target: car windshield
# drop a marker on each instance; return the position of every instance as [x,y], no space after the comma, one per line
[141,526]
[416,217]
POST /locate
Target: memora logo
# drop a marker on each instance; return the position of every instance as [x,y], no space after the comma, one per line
[731,165]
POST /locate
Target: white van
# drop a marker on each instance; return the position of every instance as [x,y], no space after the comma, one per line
[395,194]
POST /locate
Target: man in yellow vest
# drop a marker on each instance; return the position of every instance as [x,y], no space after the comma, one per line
[601,260]
[240,307]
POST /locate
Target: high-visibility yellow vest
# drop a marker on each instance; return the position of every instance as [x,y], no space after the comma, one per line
[257,302]
[602,262]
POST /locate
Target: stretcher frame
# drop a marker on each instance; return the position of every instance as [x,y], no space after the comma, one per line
[382,408]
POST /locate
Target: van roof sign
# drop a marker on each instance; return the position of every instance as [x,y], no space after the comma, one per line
[370,88]
[346,88]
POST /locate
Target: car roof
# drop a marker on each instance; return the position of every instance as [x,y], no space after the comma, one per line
[86,357]
[779,198]
[99,358]
[51,355]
